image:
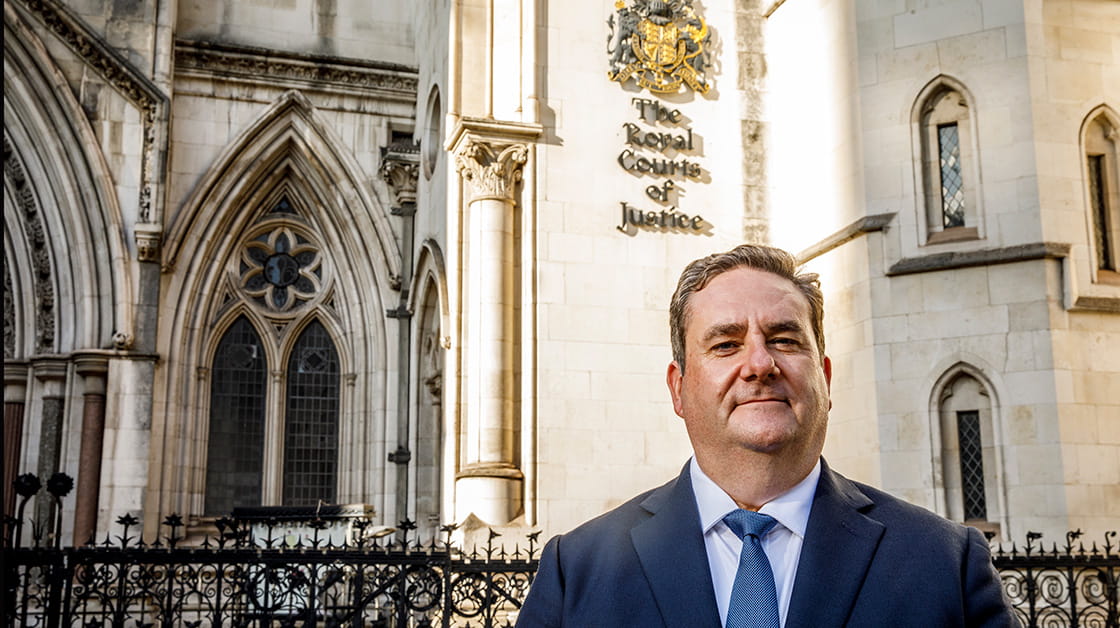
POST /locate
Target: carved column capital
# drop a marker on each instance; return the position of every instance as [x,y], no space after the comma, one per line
[148,239]
[401,170]
[15,381]
[492,168]
[93,367]
[49,367]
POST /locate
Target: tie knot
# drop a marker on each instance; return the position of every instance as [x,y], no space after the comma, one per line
[747,522]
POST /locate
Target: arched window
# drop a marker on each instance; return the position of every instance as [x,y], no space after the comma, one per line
[235,461]
[275,394]
[429,414]
[1103,192]
[949,171]
[969,457]
[311,422]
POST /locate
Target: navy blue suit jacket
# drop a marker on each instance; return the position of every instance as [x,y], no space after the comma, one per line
[868,559]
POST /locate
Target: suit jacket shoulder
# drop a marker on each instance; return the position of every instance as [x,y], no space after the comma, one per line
[872,559]
[641,564]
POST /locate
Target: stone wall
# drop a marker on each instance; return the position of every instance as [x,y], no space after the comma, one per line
[907,313]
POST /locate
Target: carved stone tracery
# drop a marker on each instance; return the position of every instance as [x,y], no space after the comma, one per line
[16,179]
[9,317]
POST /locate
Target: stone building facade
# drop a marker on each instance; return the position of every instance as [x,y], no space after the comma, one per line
[419,255]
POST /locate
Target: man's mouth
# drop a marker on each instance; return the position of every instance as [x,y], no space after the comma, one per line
[764,400]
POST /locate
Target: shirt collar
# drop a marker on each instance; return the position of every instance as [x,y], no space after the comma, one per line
[791,508]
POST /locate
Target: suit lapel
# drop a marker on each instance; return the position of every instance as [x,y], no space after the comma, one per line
[671,549]
[840,542]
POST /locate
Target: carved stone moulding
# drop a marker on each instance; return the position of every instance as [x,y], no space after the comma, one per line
[490,154]
[245,63]
[15,177]
[15,381]
[148,238]
[122,76]
[49,367]
[400,167]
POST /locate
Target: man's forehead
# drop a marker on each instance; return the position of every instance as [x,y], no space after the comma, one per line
[745,291]
[754,288]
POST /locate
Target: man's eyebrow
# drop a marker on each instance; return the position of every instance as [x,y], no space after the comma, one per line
[788,325]
[739,329]
[724,329]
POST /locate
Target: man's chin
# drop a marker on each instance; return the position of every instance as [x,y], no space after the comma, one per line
[764,415]
[764,422]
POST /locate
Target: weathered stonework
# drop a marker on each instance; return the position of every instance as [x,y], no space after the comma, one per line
[16,178]
[123,77]
[148,238]
[255,64]
[9,316]
[400,168]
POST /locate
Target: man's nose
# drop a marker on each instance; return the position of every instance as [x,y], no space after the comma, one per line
[758,361]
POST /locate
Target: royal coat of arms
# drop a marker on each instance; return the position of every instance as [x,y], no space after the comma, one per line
[661,44]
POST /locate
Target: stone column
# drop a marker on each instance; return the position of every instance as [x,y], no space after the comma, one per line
[400,168]
[51,373]
[137,479]
[15,394]
[92,368]
[489,481]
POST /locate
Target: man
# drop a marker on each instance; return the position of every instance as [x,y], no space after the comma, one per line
[757,530]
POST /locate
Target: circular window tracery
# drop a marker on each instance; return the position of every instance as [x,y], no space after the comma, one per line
[281,269]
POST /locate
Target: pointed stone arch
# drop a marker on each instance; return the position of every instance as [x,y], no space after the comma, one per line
[963,394]
[61,216]
[432,501]
[945,103]
[289,139]
[289,153]
[430,268]
[1101,113]
[1099,141]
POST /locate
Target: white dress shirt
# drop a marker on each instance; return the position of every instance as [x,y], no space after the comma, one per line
[782,545]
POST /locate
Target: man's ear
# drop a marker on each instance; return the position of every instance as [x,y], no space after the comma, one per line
[828,378]
[674,378]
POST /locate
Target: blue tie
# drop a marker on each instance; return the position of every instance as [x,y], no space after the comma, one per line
[754,598]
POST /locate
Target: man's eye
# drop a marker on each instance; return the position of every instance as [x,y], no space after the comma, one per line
[785,341]
[725,346]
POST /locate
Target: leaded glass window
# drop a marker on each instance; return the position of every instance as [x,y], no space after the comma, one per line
[237,414]
[972,465]
[1102,235]
[274,426]
[952,185]
[949,161]
[311,425]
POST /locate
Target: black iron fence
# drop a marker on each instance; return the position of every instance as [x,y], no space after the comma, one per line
[1075,584]
[242,579]
[257,575]
[255,572]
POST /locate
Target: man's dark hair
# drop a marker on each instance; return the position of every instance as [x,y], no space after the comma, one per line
[765,258]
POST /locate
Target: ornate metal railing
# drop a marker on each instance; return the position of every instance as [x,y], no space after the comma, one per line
[257,573]
[1070,585]
[261,575]
[241,579]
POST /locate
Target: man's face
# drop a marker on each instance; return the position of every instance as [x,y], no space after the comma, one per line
[753,376]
